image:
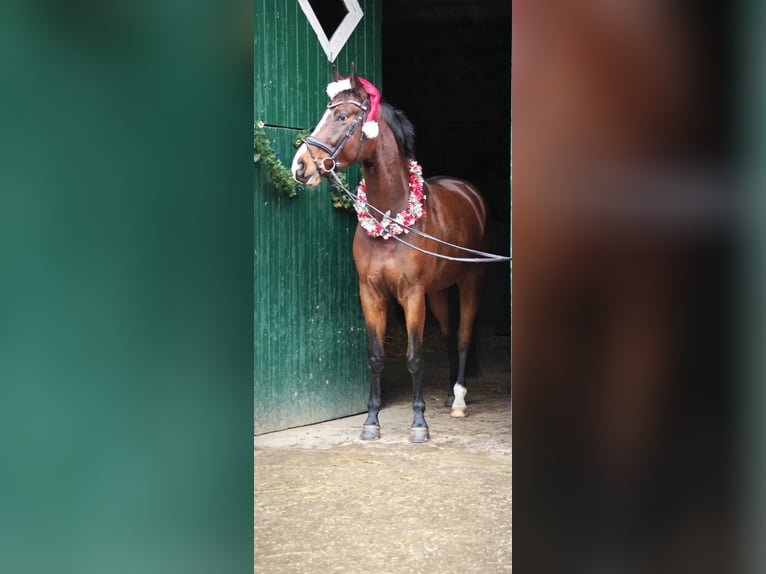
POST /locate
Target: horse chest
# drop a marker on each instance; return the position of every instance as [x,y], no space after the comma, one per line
[390,279]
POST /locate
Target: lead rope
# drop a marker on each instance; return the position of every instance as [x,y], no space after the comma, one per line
[387,220]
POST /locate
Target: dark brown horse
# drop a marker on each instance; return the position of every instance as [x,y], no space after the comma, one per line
[449,209]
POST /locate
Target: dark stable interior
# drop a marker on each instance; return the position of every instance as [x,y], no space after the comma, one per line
[447,65]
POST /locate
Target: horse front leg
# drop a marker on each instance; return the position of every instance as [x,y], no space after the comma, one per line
[374,310]
[414,305]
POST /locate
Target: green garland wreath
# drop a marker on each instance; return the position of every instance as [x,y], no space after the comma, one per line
[281,176]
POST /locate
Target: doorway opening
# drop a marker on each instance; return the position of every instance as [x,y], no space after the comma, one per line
[447,65]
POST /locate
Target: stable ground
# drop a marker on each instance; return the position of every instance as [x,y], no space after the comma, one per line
[327,502]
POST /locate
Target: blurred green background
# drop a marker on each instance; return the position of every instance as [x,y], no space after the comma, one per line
[126,286]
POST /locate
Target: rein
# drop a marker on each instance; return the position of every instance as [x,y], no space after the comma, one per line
[388,220]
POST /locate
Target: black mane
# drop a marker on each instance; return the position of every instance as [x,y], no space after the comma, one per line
[403,130]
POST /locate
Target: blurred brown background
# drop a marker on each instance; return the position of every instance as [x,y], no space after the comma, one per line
[625,239]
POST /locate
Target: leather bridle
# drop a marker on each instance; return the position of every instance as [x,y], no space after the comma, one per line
[334,152]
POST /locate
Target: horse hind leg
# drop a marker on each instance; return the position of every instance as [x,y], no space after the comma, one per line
[470,293]
[439,304]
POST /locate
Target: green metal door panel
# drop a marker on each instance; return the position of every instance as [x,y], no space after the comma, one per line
[292,70]
[310,340]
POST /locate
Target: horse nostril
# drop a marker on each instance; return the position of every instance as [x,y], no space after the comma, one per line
[299,173]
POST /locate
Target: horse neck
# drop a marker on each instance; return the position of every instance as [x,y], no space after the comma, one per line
[386,174]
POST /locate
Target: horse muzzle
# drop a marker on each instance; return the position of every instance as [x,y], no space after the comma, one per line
[303,169]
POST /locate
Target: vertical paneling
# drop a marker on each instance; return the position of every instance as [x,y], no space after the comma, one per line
[310,342]
[292,71]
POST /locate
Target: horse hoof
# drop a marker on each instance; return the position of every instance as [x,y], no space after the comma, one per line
[370,432]
[449,401]
[419,434]
[458,412]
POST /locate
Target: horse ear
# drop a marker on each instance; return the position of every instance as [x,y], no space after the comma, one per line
[355,84]
[335,75]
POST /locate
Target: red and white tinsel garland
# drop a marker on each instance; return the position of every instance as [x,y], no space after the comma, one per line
[414,212]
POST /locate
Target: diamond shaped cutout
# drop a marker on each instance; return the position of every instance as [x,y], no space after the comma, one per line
[333,22]
[330,14]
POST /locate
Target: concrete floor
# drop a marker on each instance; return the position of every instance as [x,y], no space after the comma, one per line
[327,502]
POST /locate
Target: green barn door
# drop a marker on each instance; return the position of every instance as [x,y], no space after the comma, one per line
[310,341]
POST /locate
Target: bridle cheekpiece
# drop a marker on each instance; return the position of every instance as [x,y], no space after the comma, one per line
[367,114]
[335,152]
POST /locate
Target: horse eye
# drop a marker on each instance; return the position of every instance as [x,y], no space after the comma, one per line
[342,117]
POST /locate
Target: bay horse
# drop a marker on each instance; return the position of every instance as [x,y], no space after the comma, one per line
[447,208]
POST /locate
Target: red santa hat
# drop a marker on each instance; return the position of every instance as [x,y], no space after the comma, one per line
[370,126]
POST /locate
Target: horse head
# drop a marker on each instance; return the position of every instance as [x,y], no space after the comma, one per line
[344,135]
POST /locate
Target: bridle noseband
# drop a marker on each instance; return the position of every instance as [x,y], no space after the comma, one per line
[312,141]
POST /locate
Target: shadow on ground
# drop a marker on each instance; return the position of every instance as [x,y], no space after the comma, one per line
[324,501]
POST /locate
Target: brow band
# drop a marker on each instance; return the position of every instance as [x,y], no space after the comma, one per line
[336,104]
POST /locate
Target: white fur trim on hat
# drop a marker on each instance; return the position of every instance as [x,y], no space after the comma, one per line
[335,88]
[370,129]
